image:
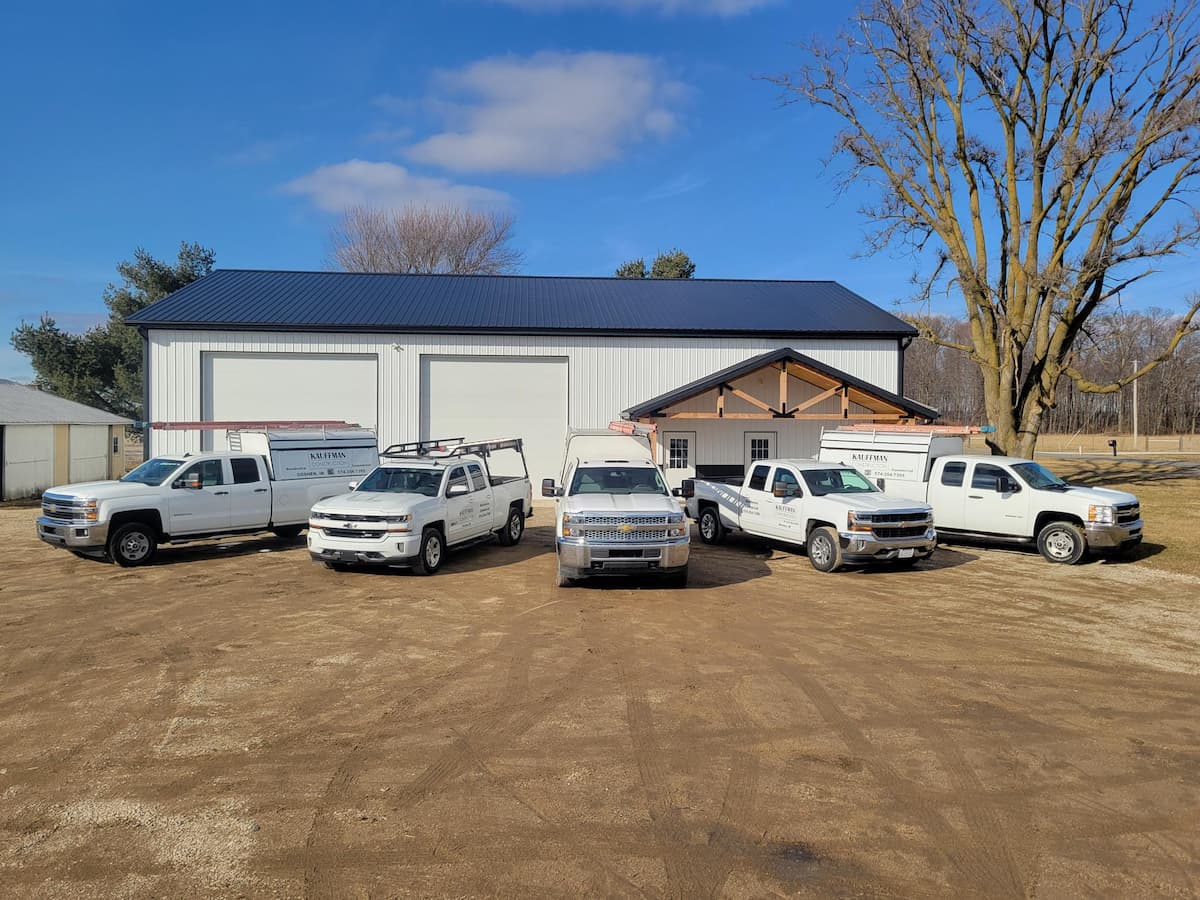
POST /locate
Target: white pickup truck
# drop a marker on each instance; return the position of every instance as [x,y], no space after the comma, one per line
[424,498]
[613,513]
[999,499]
[269,484]
[834,512]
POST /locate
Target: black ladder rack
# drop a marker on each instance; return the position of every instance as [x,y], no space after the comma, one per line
[448,448]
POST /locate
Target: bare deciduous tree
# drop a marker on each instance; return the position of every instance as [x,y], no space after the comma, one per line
[425,240]
[1044,149]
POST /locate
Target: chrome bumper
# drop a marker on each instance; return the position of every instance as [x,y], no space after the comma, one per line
[393,551]
[84,538]
[862,546]
[625,558]
[1106,537]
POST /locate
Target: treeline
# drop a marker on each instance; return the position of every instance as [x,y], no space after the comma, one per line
[1168,396]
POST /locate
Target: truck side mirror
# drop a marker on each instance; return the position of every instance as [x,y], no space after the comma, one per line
[676,492]
[548,488]
[353,485]
[457,490]
[687,488]
[191,481]
[1006,485]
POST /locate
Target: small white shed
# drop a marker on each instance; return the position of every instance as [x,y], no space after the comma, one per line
[46,440]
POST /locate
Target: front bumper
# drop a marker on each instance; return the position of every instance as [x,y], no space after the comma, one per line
[92,538]
[390,550]
[1108,537]
[863,546]
[580,558]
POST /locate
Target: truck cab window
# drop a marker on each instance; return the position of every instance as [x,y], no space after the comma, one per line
[458,476]
[952,474]
[758,478]
[478,482]
[209,471]
[786,480]
[985,477]
[245,470]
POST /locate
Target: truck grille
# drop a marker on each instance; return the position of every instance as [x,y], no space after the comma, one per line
[352,533]
[904,531]
[64,510]
[618,521]
[614,536]
[341,518]
[918,516]
[1128,513]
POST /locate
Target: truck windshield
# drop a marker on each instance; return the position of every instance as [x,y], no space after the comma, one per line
[837,481]
[395,480]
[1038,477]
[616,480]
[153,471]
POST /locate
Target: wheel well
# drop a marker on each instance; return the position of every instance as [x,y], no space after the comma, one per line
[707,504]
[439,525]
[817,523]
[149,517]
[1046,518]
[518,505]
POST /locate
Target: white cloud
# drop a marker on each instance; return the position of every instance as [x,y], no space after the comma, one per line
[358,182]
[723,8]
[551,113]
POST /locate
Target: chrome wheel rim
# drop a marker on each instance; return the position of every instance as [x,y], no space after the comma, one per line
[708,526]
[514,526]
[135,546]
[1060,544]
[433,552]
[820,552]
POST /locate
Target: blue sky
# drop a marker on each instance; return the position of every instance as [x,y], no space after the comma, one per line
[609,128]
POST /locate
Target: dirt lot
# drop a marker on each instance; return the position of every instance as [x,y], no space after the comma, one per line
[247,723]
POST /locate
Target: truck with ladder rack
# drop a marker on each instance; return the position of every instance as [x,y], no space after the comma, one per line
[424,498]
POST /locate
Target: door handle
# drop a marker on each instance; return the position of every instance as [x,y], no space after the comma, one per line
[260,490]
[974,496]
[220,493]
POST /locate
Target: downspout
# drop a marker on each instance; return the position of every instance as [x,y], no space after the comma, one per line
[146,430]
[904,343]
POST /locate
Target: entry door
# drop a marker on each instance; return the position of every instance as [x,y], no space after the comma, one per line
[759,445]
[460,510]
[679,456]
[204,510]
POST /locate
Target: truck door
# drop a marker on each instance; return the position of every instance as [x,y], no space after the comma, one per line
[460,509]
[249,494]
[481,491]
[786,520]
[948,496]
[192,511]
[759,502]
[997,511]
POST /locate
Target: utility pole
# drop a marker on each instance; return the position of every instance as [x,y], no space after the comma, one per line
[1136,366]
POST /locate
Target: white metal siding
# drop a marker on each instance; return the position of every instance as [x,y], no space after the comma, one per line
[493,397]
[28,460]
[607,373]
[89,453]
[238,386]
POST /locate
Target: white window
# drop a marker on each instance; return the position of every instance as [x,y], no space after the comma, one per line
[678,453]
[760,448]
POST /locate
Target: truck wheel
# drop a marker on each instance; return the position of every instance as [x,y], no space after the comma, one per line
[132,544]
[1062,542]
[513,528]
[433,548]
[824,550]
[287,532]
[563,579]
[711,529]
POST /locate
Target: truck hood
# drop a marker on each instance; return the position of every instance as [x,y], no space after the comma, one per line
[368,503]
[873,502]
[1089,495]
[104,490]
[607,503]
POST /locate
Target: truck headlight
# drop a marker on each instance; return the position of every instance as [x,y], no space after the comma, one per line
[91,511]
[398,520]
[857,521]
[1100,515]
[674,518]
[317,516]
[675,531]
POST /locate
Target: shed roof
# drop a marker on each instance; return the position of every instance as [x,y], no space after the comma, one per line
[521,304]
[21,405]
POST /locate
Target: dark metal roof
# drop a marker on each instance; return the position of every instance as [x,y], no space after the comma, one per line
[345,301]
[783,354]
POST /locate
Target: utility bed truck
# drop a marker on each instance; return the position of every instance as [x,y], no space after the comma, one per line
[832,511]
[998,499]
[268,481]
[613,513]
[425,498]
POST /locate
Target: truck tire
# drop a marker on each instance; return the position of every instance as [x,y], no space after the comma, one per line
[287,532]
[824,549]
[514,527]
[132,544]
[562,579]
[712,531]
[1062,542]
[433,549]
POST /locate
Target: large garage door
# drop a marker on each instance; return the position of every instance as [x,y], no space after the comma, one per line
[494,397]
[242,387]
[89,453]
[28,460]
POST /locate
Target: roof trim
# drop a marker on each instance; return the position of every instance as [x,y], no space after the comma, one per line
[654,405]
[312,328]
